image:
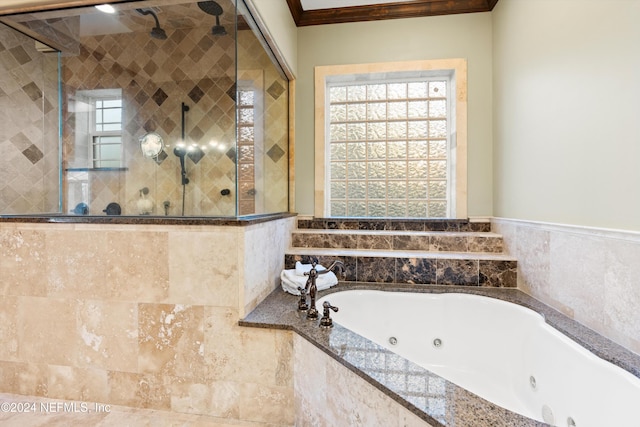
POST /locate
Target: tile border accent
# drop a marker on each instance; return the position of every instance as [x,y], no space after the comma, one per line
[395,224]
[418,270]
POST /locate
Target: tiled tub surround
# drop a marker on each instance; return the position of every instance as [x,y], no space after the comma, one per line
[145,316]
[394,224]
[413,268]
[400,240]
[589,274]
[326,359]
[445,252]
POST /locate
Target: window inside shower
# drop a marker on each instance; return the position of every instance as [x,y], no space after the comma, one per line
[98,128]
[94,87]
[106,133]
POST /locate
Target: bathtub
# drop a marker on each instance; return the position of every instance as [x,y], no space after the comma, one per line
[501,351]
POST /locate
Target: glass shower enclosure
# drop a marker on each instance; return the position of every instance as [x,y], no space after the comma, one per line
[161,108]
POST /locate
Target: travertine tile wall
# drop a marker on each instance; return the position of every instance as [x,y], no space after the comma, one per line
[156,76]
[145,316]
[328,394]
[587,273]
[29,172]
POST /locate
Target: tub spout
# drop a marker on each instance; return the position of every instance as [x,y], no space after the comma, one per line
[311,289]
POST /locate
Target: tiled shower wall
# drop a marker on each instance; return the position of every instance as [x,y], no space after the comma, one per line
[29,171]
[156,76]
[270,171]
[589,274]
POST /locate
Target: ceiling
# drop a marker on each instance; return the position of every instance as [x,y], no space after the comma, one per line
[317,12]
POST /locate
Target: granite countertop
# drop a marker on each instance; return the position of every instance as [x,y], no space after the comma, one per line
[469,409]
[145,219]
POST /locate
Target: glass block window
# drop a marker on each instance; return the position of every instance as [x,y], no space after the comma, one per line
[106,146]
[388,148]
[246,110]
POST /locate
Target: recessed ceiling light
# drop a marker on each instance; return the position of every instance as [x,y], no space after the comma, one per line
[106,8]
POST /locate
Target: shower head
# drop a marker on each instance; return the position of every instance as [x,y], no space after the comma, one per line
[156,32]
[212,8]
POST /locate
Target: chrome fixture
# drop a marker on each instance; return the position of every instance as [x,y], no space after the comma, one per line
[437,343]
[326,321]
[311,289]
[393,340]
[156,32]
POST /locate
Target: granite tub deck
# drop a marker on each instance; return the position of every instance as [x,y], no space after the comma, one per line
[433,399]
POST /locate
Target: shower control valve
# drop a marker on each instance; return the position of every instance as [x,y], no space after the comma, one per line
[326,321]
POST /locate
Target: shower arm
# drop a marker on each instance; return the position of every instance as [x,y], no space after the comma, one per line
[150,12]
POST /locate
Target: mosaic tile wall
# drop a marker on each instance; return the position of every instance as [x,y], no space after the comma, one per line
[156,76]
[29,113]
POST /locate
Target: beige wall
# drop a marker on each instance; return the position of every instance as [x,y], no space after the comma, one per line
[567,139]
[458,36]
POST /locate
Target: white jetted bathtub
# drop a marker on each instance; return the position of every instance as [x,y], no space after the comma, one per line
[500,351]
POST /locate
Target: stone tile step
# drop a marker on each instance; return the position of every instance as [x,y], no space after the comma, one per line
[395,224]
[414,267]
[436,241]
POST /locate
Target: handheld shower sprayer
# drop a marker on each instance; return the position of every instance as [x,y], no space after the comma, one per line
[181,152]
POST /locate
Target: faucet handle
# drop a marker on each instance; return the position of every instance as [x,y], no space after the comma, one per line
[302,304]
[326,321]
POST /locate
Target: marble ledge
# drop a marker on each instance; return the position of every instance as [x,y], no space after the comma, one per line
[232,221]
[278,311]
